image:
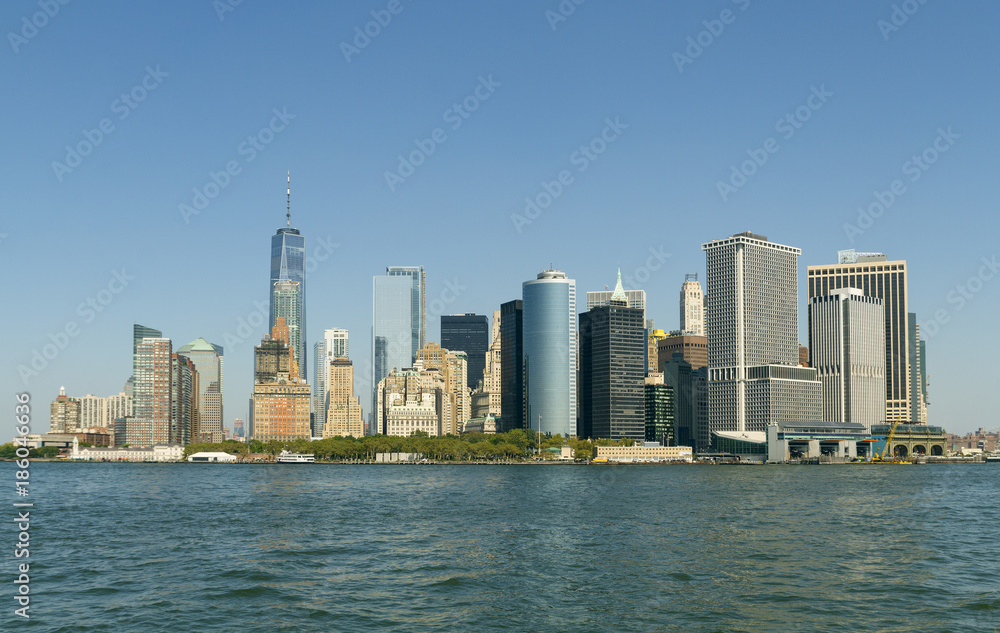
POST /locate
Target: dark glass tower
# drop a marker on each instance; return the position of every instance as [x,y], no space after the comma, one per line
[469,333]
[511,366]
[288,257]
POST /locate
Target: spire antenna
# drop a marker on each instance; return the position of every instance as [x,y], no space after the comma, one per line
[288,209]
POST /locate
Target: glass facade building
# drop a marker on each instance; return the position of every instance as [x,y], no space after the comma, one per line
[511,366]
[208,360]
[612,370]
[418,304]
[288,252]
[469,333]
[550,349]
[392,327]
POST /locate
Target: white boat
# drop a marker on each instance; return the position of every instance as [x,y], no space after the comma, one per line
[296,458]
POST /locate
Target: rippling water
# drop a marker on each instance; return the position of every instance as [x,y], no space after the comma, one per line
[207,547]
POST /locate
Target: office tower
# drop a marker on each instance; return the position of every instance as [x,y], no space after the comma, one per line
[692,347]
[185,416]
[453,369]
[690,396]
[847,335]
[753,354]
[469,333]
[288,256]
[803,355]
[208,360]
[418,304]
[634,298]
[512,366]
[286,297]
[550,348]
[918,372]
[392,326]
[876,276]
[239,432]
[659,411]
[151,421]
[343,410]
[487,400]
[280,402]
[612,342]
[692,306]
[139,332]
[64,413]
[96,412]
[334,345]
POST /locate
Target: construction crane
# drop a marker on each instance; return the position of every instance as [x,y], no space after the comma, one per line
[888,442]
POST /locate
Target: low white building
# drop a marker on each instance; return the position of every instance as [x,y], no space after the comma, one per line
[639,453]
[155,453]
[208,456]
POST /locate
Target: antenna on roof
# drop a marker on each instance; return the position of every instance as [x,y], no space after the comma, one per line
[288,209]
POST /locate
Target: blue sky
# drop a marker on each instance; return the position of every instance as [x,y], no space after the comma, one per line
[676,114]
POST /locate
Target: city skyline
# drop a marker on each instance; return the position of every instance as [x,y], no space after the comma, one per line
[109,238]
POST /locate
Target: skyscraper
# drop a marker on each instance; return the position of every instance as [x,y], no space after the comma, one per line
[139,332]
[659,412]
[847,331]
[468,333]
[753,349]
[418,303]
[918,372]
[550,349]
[612,369]
[692,307]
[343,410]
[634,298]
[288,255]
[281,400]
[152,406]
[877,277]
[208,360]
[334,345]
[512,366]
[392,327]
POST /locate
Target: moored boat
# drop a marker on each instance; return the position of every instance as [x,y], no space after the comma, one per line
[286,457]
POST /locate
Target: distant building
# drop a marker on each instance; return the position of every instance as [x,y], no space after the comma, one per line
[343,410]
[692,307]
[160,414]
[487,400]
[392,327]
[96,412]
[643,453]
[155,453]
[659,411]
[486,424]
[288,277]
[208,360]
[64,413]
[453,368]
[281,400]
[692,348]
[550,352]
[803,355]
[334,345]
[184,404]
[633,298]
[847,331]
[885,279]
[753,357]
[918,372]
[469,333]
[239,432]
[417,279]
[612,342]
[690,396]
[512,410]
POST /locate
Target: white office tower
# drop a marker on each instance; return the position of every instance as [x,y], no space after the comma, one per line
[847,330]
[692,307]
[753,343]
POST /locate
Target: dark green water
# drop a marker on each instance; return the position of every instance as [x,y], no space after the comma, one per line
[192,547]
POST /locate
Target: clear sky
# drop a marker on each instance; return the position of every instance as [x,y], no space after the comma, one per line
[117,113]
